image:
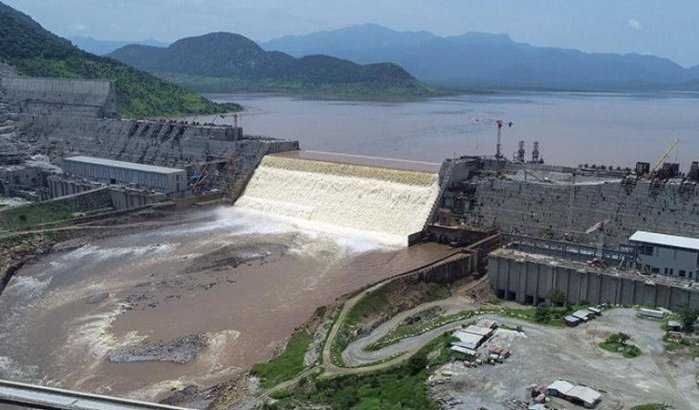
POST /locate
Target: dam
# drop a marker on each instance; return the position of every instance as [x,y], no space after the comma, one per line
[388,203]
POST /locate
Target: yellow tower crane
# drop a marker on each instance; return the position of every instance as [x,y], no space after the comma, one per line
[660,160]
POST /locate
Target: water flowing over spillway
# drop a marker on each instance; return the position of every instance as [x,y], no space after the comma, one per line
[390,203]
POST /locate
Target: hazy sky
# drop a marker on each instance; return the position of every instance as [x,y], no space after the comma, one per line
[667,28]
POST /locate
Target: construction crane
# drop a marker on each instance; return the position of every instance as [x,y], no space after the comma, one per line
[236,116]
[200,179]
[658,163]
[599,227]
[498,147]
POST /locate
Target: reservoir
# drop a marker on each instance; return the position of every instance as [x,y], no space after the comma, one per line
[573,128]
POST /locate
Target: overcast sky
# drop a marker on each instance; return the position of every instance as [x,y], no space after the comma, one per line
[667,28]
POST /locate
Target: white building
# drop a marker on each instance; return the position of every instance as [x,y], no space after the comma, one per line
[667,254]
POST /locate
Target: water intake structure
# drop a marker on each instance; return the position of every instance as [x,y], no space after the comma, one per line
[386,203]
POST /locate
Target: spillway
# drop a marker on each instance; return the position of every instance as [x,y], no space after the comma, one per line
[388,203]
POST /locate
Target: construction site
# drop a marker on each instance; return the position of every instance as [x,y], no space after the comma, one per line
[168,225]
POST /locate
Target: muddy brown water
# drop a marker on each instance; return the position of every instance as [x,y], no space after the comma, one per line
[244,279]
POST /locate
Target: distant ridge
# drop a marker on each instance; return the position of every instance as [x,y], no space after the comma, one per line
[103,47]
[227,62]
[492,61]
[34,51]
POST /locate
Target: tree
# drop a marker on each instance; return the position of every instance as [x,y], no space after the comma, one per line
[620,338]
[417,363]
[623,338]
[542,313]
[557,297]
[688,315]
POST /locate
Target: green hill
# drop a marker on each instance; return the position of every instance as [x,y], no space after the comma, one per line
[34,51]
[226,62]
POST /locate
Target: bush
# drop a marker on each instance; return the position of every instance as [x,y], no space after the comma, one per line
[416,364]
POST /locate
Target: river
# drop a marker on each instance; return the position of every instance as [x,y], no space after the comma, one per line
[572,128]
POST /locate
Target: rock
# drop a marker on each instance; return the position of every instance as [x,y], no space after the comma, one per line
[180,351]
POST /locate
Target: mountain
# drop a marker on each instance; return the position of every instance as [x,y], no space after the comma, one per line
[490,61]
[226,62]
[103,47]
[34,51]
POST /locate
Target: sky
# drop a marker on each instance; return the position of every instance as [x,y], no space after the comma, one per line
[666,28]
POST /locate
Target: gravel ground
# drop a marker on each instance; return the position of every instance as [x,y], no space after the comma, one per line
[543,354]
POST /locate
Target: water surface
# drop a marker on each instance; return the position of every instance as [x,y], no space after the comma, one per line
[572,128]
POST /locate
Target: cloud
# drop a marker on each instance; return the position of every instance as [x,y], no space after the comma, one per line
[634,24]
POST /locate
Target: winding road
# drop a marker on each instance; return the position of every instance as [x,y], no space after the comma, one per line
[359,360]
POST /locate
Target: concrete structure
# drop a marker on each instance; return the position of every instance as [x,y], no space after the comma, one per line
[14,178]
[528,278]
[667,254]
[161,179]
[174,144]
[562,202]
[71,97]
[39,397]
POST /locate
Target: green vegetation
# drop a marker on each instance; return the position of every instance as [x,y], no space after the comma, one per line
[226,62]
[552,317]
[557,297]
[400,387]
[362,91]
[29,215]
[288,364]
[34,51]
[687,316]
[617,343]
[375,304]
[651,406]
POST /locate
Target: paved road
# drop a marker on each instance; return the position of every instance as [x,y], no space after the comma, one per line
[356,355]
[393,354]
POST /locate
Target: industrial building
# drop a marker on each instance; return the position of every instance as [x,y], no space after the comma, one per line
[141,176]
[667,254]
[581,395]
[528,278]
[471,338]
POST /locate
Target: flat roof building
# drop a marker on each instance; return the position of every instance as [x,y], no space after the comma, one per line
[151,177]
[578,394]
[468,340]
[480,331]
[664,254]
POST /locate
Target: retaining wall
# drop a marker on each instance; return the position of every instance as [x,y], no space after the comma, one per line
[73,97]
[566,211]
[529,280]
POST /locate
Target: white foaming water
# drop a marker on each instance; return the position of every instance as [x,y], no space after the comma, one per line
[94,254]
[387,204]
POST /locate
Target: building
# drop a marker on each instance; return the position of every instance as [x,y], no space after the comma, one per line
[667,254]
[584,314]
[133,175]
[577,394]
[571,321]
[468,340]
[528,278]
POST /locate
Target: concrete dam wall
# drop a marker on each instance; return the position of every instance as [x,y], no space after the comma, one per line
[74,97]
[528,279]
[566,210]
[163,143]
[391,203]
